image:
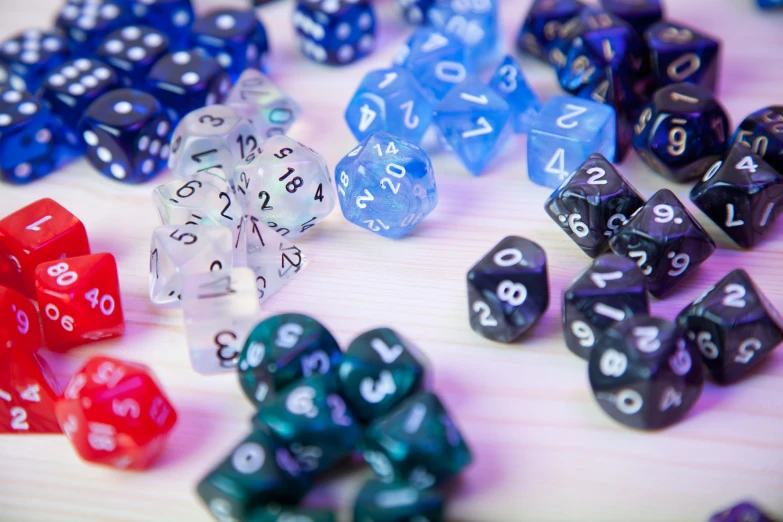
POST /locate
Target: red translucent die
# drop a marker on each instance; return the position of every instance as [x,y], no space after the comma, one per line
[19,325]
[28,393]
[79,300]
[40,232]
[115,414]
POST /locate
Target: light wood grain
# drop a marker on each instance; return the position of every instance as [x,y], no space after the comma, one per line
[544,451]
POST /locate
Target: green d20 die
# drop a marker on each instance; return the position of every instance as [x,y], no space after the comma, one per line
[397,502]
[379,370]
[283,349]
[312,419]
[258,471]
[417,443]
[281,514]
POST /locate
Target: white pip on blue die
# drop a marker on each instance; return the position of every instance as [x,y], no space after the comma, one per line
[510,83]
[220,309]
[268,109]
[564,134]
[474,23]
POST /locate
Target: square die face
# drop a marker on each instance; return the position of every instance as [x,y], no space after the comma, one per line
[132,51]
[31,54]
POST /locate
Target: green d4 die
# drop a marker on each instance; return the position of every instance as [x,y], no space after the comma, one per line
[416,443]
[283,349]
[397,502]
[258,471]
[279,514]
[379,370]
[312,419]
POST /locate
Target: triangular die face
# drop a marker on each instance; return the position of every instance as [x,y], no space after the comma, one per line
[28,394]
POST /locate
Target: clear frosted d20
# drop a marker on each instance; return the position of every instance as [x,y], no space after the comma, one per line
[268,109]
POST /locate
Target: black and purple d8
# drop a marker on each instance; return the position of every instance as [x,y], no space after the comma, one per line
[337,32]
[681,54]
[86,25]
[762,132]
[171,17]
[132,51]
[540,28]
[127,133]
[30,55]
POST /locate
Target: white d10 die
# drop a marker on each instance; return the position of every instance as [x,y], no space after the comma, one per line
[258,100]
[180,250]
[286,185]
[220,309]
[208,138]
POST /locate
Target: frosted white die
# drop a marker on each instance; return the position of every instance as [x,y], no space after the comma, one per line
[258,100]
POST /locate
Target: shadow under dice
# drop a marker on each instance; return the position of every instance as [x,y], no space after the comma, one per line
[762,132]
[19,324]
[665,240]
[510,83]
[268,109]
[285,184]
[680,54]
[643,374]
[172,17]
[28,392]
[30,55]
[540,26]
[336,32]
[437,61]
[87,25]
[508,290]
[386,185]
[132,51]
[733,325]
[409,503]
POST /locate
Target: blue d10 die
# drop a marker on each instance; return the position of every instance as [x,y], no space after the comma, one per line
[386,185]
[762,132]
[509,82]
[415,11]
[540,27]
[236,38]
[438,61]
[30,55]
[87,25]
[681,54]
[132,51]
[564,134]
[171,17]
[127,134]
[640,14]
[390,100]
[336,32]
[475,24]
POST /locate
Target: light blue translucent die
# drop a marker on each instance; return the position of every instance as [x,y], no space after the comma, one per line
[509,82]
[386,185]
[473,22]
[437,60]
[566,131]
[475,121]
[390,100]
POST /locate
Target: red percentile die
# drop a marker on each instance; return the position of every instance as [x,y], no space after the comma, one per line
[19,325]
[115,413]
[28,393]
[79,300]
[40,232]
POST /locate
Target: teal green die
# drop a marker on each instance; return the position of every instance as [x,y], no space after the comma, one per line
[280,514]
[283,349]
[258,471]
[314,422]
[397,502]
[417,443]
[379,370]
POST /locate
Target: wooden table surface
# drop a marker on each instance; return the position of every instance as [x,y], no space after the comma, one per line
[544,450]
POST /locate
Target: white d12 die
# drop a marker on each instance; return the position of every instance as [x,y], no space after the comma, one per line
[180,250]
[286,185]
[210,137]
[220,309]
[268,109]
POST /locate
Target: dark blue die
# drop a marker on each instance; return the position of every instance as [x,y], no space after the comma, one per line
[236,38]
[127,133]
[770,4]
[337,32]
[681,54]
[30,55]
[132,51]
[540,27]
[171,17]
[86,25]
[415,11]
[187,80]
[762,132]
[640,14]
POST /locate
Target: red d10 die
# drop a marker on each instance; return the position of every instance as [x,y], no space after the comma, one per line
[114,413]
[28,393]
[79,300]
[19,325]
[40,232]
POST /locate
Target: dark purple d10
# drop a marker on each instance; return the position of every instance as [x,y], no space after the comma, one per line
[640,14]
[86,25]
[30,55]
[681,54]
[540,27]
[171,17]
[132,51]
[762,132]
[744,511]
[127,133]
[336,32]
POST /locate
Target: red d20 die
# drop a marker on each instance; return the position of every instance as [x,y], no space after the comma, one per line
[28,393]
[40,232]
[79,299]
[19,325]
[115,413]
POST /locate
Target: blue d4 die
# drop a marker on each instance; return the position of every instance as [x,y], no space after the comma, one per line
[474,121]
[390,100]
[386,185]
[132,51]
[564,134]
[509,82]
[30,55]
[337,32]
[171,17]
[86,25]
[475,24]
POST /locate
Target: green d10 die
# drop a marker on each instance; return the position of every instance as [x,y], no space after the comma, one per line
[312,419]
[417,443]
[258,471]
[278,514]
[379,370]
[397,502]
[283,349]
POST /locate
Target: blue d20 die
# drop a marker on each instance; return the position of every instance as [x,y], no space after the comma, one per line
[474,121]
[509,82]
[386,185]
[475,24]
[171,17]
[390,100]
[564,134]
